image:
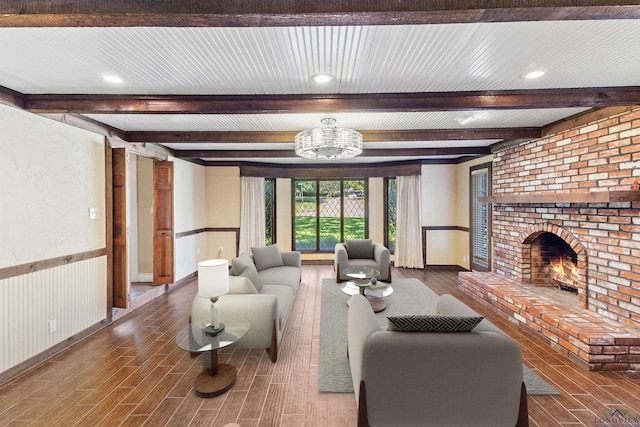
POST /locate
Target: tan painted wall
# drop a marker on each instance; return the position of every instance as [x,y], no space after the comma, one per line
[145,214]
[222,199]
[462,219]
[284,219]
[445,202]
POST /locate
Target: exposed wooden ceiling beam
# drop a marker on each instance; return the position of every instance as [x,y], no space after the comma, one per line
[261,154]
[11,97]
[233,13]
[367,135]
[333,103]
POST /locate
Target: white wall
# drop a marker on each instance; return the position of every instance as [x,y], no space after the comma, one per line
[50,175]
[189,214]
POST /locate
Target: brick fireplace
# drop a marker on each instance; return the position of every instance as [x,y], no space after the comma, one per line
[571,196]
[554,263]
[552,256]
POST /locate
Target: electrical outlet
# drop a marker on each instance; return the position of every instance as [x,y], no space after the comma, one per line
[93,213]
[52,326]
[198,251]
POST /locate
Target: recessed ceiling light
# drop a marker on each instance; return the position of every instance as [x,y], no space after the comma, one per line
[533,74]
[465,119]
[322,77]
[112,78]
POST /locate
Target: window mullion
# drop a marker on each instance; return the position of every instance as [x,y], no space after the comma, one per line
[342,210]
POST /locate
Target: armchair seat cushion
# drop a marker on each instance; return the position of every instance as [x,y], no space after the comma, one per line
[363,262]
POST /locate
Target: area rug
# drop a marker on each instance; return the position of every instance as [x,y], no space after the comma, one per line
[334,372]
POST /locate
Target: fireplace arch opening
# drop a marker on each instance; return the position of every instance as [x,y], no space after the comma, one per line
[554,258]
[554,263]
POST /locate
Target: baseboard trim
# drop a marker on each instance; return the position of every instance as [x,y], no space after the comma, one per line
[145,277]
[449,267]
[27,365]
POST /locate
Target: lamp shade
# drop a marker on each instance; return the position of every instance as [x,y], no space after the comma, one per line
[213,278]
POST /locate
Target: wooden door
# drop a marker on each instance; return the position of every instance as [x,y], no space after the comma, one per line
[120,255]
[162,222]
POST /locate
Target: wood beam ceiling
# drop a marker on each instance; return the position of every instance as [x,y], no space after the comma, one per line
[333,103]
[368,135]
[233,13]
[370,152]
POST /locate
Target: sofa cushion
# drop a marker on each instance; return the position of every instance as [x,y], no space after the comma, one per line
[239,263]
[289,276]
[243,266]
[432,323]
[360,248]
[267,257]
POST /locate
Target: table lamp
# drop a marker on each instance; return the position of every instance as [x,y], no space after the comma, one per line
[213,281]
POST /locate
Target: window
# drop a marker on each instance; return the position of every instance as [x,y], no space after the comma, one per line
[390,214]
[480,215]
[327,212]
[270,210]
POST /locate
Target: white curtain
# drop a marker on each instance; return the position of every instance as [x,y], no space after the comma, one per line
[408,228]
[252,219]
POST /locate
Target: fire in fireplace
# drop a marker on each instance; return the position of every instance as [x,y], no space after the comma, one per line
[554,263]
[565,273]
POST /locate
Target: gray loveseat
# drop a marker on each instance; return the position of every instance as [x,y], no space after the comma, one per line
[262,289]
[434,378]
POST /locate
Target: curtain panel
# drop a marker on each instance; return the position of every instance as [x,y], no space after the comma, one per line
[252,216]
[408,225]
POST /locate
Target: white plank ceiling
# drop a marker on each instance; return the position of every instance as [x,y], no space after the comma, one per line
[362,59]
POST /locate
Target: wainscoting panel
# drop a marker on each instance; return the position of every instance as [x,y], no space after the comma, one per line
[41,309]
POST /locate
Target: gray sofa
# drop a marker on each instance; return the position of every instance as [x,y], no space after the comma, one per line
[262,289]
[362,253]
[434,378]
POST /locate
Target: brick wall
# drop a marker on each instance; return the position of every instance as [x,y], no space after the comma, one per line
[602,155]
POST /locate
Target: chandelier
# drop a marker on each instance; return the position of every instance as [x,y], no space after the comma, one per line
[328,142]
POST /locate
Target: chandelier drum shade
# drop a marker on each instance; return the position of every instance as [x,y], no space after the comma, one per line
[328,142]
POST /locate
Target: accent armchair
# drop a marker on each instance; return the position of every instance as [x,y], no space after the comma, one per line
[362,253]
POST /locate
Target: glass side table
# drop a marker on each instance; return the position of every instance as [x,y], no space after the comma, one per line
[215,378]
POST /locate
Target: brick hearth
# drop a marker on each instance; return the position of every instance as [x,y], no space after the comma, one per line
[592,340]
